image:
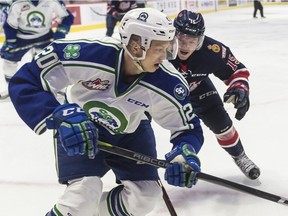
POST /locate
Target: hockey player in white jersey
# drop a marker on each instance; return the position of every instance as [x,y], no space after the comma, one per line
[30,23]
[113,83]
[4,7]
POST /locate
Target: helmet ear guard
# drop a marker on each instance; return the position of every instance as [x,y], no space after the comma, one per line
[149,24]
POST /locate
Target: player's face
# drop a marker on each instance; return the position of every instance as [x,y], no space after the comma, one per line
[187,45]
[155,55]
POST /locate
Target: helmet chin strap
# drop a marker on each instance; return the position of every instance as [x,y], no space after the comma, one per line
[136,61]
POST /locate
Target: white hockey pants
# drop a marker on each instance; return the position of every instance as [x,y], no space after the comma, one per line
[83,197]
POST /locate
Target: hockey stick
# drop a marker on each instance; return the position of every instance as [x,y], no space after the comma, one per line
[205,177]
[100,14]
[96,12]
[30,45]
[167,200]
[171,209]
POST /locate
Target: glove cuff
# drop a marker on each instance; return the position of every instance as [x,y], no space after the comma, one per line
[63,29]
[185,150]
[239,84]
[188,151]
[50,123]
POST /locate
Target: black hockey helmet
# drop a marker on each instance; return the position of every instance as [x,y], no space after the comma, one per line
[189,23]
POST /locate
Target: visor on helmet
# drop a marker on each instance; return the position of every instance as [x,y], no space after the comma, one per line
[171,52]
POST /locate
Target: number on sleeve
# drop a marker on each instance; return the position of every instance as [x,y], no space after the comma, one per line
[188,110]
[46,58]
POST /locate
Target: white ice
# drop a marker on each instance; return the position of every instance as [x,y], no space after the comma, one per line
[28,182]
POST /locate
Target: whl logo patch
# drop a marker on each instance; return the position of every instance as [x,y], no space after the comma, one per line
[97,84]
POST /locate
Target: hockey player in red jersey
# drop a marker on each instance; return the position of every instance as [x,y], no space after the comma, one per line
[199,56]
[115,12]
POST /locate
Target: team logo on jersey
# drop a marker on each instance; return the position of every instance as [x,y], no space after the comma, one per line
[180,91]
[36,19]
[71,51]
[185,73]
[215,48]
[109,117]
[97,84]
[194,85]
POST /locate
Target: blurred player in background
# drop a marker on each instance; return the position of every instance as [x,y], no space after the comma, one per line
[115,12]
[141,3]
[28,25]
[4,7]
[199,56]
[258,6]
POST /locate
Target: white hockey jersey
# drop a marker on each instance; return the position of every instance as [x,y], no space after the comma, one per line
[38,20]
[93,69]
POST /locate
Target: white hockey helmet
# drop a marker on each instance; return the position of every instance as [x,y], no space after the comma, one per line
[150,24]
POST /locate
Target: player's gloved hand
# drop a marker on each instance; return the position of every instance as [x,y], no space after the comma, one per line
[184,166]
[61,32]
[116,15]
[77,133]
[7,49]
[238,94]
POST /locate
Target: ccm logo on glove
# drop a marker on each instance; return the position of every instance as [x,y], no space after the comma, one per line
[77,133]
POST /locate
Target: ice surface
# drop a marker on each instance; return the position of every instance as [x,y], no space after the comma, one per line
[28,182]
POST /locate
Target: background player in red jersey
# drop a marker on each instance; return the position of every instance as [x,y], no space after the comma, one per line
[199,56]
[115,12]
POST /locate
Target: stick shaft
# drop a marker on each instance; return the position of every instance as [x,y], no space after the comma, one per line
[203,176]
[167,200]
[242,188]
[31,45]
[100,14]
[96,12]
[129,155]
